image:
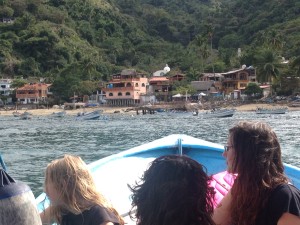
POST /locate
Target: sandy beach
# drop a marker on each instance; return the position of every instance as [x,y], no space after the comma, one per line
[111,110]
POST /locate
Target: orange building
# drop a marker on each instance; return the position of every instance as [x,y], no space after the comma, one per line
[124,89]
[32,93]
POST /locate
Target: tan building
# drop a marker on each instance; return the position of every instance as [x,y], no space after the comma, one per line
[162,86]
[237,80]
[124,89]
[32,93]
[232,82]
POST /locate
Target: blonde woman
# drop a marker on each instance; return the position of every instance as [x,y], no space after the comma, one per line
[74,198]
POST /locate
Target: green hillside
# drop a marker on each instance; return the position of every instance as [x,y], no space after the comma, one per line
[73,43]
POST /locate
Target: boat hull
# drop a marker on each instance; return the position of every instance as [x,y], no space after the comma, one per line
[59,114]
[219,113]
[271,111]
[94,115]
[25,116]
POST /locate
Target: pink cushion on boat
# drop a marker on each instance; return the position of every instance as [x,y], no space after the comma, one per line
[221,182]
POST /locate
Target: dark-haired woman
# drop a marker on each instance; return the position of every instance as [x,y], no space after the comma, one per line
[261,193]
[173,191]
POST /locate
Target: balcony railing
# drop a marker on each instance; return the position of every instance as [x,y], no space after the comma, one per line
[29,96]
[120,89]
[124,80]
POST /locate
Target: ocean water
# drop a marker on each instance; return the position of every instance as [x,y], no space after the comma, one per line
[27,146]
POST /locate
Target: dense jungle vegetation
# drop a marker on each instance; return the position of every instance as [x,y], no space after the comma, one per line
[74,44]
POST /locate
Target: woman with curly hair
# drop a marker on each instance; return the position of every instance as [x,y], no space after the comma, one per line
[74,198]
[173,191]
[261,193]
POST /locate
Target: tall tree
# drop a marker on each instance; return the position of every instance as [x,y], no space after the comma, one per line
[200,42]
[296,64]
[268,65]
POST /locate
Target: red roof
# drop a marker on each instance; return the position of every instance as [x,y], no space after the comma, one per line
[34,86]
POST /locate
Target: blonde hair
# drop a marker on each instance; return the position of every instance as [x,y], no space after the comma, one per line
[73,181]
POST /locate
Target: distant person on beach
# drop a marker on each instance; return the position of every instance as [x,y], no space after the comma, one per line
[173,191]
[261,193]
[74,198]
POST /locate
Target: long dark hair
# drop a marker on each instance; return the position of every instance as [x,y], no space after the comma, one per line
[259,166]
[173,191]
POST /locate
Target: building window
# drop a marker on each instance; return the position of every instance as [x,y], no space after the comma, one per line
[110,94]
[243,76]
[127,93]
[128,85]
[143,85]
[136,84]
[120,94]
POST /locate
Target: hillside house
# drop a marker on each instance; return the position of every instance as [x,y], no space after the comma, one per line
[125,88]
[162,86]
[236,81]
[5,89]
[33,93]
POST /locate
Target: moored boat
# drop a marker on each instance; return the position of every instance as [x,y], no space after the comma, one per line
[25,116]
[16,114]
[59,114]
[218,113]
[89,115]
[115,172]
[276,110]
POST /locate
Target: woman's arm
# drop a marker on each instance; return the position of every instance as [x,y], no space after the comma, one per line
[289,219]
[221,214]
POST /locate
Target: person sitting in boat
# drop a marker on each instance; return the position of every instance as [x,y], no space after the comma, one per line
[17,202]
[74,198]
[173,191]
[261,194]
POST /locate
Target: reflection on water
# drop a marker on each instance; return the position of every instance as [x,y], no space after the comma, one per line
[27,146]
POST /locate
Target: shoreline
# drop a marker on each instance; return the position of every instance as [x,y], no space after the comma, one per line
[123,110]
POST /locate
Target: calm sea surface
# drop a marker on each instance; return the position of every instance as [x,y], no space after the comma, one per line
[27,146]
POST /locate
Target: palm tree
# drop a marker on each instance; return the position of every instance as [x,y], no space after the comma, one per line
[268,65]
[209,34]
[271,39]
[296,64]
[275,39]
[200,42]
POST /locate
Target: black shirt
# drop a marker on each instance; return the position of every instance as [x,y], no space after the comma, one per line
[285,198]
[94,216]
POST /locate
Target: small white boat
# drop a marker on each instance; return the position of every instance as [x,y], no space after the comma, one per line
[89,115]
[219,113]
[277,110]
[113,173]
[25,116]
[59,114]
[16,114]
